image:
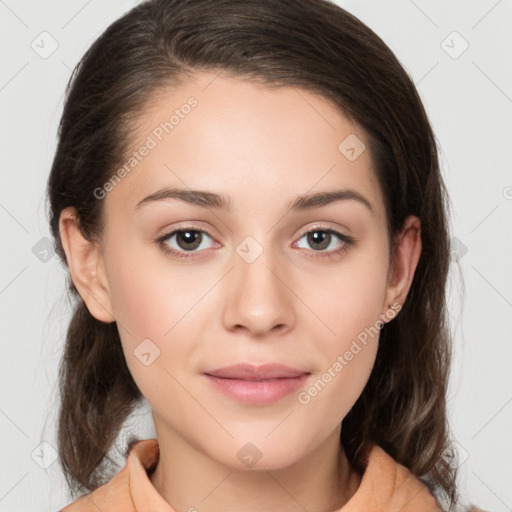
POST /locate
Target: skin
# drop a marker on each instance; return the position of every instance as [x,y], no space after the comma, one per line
[262,147]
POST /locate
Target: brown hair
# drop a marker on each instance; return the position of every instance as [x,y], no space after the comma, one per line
[315,45]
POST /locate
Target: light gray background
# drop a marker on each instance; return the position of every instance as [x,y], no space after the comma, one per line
[469,101]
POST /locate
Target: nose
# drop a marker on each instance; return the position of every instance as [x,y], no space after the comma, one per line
[258,298]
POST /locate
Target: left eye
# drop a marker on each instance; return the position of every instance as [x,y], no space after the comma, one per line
[322,238]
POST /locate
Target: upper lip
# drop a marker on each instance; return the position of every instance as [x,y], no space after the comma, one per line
[246,371]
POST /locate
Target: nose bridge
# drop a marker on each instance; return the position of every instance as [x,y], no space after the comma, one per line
[255,261]
[257,298]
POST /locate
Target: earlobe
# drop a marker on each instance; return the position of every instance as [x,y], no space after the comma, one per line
[406,254]
[86,267]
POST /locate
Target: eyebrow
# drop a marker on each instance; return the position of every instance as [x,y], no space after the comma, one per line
[207,199]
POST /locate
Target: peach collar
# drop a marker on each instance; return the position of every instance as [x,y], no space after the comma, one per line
[385,484]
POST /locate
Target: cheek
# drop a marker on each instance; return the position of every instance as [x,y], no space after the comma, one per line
[140,302]
[143,303]
[347,354]
[148,320]
[350,305]
[156,307]
[333,392]
[349,297]
[149,296]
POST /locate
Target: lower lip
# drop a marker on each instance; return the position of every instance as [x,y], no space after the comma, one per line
[257,392]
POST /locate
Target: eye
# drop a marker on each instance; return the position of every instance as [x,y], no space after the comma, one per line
[322,238]
[184,240]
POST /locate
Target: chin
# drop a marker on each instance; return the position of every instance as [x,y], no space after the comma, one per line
[259,454]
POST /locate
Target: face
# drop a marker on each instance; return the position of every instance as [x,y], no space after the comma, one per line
[256,275]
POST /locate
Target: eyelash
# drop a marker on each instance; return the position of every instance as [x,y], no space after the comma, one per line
[347,242]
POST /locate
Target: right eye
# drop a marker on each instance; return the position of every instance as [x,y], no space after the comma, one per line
[181,241]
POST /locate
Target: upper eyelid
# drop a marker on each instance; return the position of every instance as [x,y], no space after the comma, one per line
[168,232]
[173,231]
[320,227]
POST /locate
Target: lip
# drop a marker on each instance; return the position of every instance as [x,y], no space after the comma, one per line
[247,371]
[257,384]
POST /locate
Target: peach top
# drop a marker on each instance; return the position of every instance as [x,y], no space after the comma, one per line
[386,486]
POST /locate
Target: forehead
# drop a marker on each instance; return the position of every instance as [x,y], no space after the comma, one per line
[249,141]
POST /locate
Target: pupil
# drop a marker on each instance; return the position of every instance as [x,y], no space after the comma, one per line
[190,238]
[319,237]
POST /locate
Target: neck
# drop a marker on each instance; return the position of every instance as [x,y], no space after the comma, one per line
[321,481]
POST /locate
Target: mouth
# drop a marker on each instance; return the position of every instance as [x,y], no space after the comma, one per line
[257,385]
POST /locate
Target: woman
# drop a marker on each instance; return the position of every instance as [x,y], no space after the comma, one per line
[248,198]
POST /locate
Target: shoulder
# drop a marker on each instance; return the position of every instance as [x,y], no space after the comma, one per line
[402,484]
[116,494]
[389,486]
[116,491]
[393,487]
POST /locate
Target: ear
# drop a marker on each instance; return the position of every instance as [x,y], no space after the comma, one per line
[406,254]
[86,266]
